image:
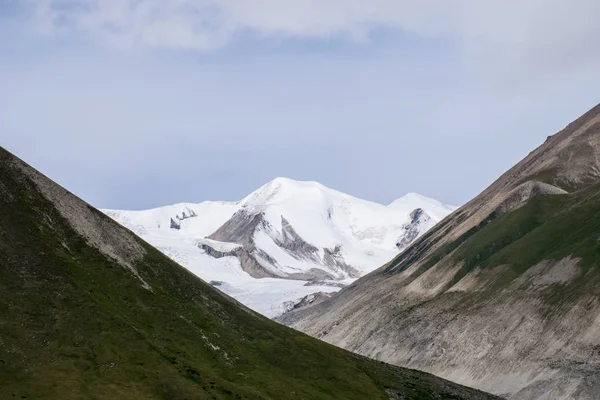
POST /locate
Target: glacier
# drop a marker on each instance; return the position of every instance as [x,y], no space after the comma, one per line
[285,241]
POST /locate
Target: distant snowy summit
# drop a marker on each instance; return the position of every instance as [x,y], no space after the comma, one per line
[303,235]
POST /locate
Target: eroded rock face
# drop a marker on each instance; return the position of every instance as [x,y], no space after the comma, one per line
[240,229]
[308,300]
[419,223]
[243,227]
[502,295]
[515,345]
[175,225]
[294,244]
[334,259]
[208,249]
[524,192]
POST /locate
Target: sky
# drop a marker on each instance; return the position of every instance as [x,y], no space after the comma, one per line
[133,104]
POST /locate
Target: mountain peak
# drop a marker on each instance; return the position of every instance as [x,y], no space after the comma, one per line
[282,180]
[569,159]
[281,189]
[411,201]
[286,229]
[76,320]
[411,197]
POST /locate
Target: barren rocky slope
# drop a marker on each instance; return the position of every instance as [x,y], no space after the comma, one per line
[90,311]
[502,295]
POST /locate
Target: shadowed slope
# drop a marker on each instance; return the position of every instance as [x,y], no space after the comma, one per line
[88,310]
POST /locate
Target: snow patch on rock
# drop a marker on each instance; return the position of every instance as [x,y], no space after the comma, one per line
[283,232]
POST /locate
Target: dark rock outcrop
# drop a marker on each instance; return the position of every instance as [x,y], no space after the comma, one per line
[245,223]
[419,222]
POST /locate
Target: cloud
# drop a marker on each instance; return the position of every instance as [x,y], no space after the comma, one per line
[540,29]
[414,108]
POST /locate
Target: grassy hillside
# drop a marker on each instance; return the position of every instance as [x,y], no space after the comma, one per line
[548,227]
[502,295]
[75,324]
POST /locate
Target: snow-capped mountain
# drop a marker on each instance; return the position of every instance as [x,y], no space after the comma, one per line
[411,201]
[284,241]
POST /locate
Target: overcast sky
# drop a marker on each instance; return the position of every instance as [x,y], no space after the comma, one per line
[141,103]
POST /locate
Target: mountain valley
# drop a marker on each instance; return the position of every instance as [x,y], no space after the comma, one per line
[285,241]
[89,310]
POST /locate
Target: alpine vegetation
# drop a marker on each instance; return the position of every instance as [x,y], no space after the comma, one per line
[91,311]
[503,294]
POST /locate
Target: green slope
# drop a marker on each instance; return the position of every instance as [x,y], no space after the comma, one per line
[545,227]
[75,324]
[502,295]
[548,227]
